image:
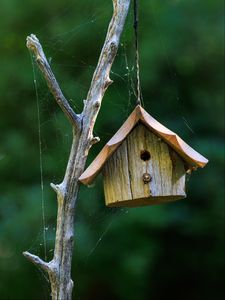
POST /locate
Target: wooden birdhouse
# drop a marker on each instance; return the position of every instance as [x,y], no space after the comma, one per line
[144,163]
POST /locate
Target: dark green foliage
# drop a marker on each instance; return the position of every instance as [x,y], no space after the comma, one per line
[173,251]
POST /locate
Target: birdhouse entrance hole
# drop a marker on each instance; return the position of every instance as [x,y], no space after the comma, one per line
[145,155]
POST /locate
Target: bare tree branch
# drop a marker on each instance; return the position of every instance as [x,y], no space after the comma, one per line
[67,191]
[101,80]
[37,261]
[35,47]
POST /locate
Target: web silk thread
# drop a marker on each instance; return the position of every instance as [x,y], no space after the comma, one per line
[137,58]
[40,159]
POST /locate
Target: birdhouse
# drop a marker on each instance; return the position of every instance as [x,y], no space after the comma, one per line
[144,163]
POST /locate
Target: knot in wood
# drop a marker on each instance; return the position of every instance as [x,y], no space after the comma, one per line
[113,47]
[97,104]
[146,177]
[113,50]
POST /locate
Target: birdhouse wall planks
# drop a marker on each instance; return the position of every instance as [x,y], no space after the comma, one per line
[144,163]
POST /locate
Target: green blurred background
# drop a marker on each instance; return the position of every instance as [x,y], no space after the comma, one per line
[160,252]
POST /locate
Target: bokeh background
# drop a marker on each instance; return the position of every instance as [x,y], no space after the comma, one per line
[169,251]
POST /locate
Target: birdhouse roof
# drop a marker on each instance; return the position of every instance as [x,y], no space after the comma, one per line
[189,155]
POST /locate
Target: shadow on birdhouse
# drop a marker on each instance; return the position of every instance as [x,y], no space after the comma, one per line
[144,163]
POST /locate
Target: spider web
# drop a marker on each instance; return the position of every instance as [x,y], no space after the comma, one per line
[50,119]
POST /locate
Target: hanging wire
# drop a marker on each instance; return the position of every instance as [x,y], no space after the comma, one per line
[135,25]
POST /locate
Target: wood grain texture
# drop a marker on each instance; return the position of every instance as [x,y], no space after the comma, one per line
[116,176]
[192,158]
[123,172]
